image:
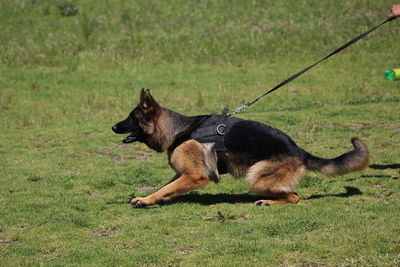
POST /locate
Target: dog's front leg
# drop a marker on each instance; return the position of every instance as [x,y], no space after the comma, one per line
[185,183]
[194,163]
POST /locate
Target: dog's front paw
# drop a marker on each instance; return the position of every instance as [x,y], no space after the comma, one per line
[140,202]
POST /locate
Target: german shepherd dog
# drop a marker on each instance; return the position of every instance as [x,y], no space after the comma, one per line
[270,160]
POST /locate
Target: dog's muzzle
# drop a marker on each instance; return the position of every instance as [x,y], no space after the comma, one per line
[130,138]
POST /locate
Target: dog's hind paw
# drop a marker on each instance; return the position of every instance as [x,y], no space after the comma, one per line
[262,203]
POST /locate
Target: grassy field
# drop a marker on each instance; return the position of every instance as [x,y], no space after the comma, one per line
[69,70]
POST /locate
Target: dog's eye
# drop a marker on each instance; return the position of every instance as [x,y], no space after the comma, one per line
[135,114]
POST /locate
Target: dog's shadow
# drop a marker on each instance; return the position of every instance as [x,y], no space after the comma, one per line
[384,167]
[207,199]
[350,191]
[211,199]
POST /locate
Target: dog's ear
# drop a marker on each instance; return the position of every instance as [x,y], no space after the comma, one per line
[147,101]
[142,93]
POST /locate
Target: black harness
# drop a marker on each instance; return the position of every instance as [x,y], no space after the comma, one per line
[213,129]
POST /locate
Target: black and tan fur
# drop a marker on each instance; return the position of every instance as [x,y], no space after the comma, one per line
[270,160]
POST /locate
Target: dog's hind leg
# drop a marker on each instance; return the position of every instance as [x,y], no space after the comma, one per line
[278,198]
[195,165]
[276,180]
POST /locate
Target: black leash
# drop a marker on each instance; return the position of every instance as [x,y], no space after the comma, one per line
[239,109]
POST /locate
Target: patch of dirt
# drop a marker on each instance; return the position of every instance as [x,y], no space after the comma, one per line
[93,194]
[117,159]
[8,241]
[145,188]
[384,194]
[142,155]
[45,141]
[117,148]
[186,250]
[351,127]
[137,156]
[356,127]
[242,219]
[309,264]
[49,251]
[104,233]
[294,91]
[394,127]
[222,218]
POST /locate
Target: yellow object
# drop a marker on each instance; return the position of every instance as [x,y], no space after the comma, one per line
[397,71]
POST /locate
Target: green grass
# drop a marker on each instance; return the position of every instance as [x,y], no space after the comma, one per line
[66,179]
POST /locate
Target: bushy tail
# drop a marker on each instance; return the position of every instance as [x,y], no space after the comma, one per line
[354,160]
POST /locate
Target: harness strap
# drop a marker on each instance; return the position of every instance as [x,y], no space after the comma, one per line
[217,126]
[213,130]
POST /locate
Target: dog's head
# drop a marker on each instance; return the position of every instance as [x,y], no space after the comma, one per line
[140,122]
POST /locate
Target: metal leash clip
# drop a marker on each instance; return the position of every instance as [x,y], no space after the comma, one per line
[239,109]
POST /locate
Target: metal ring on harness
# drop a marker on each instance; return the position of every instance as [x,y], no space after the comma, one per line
[221,131]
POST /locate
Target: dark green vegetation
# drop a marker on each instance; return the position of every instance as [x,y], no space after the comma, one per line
[68,73]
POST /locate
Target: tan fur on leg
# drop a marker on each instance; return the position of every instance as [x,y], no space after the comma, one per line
[194,157]
[195,165]
[281,198]
[183,184]
[276,180]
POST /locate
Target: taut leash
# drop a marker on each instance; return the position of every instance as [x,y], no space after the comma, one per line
[288,80]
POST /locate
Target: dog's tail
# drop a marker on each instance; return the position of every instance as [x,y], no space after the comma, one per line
[354,160]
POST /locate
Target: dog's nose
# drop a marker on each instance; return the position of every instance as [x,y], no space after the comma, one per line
[114,128]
